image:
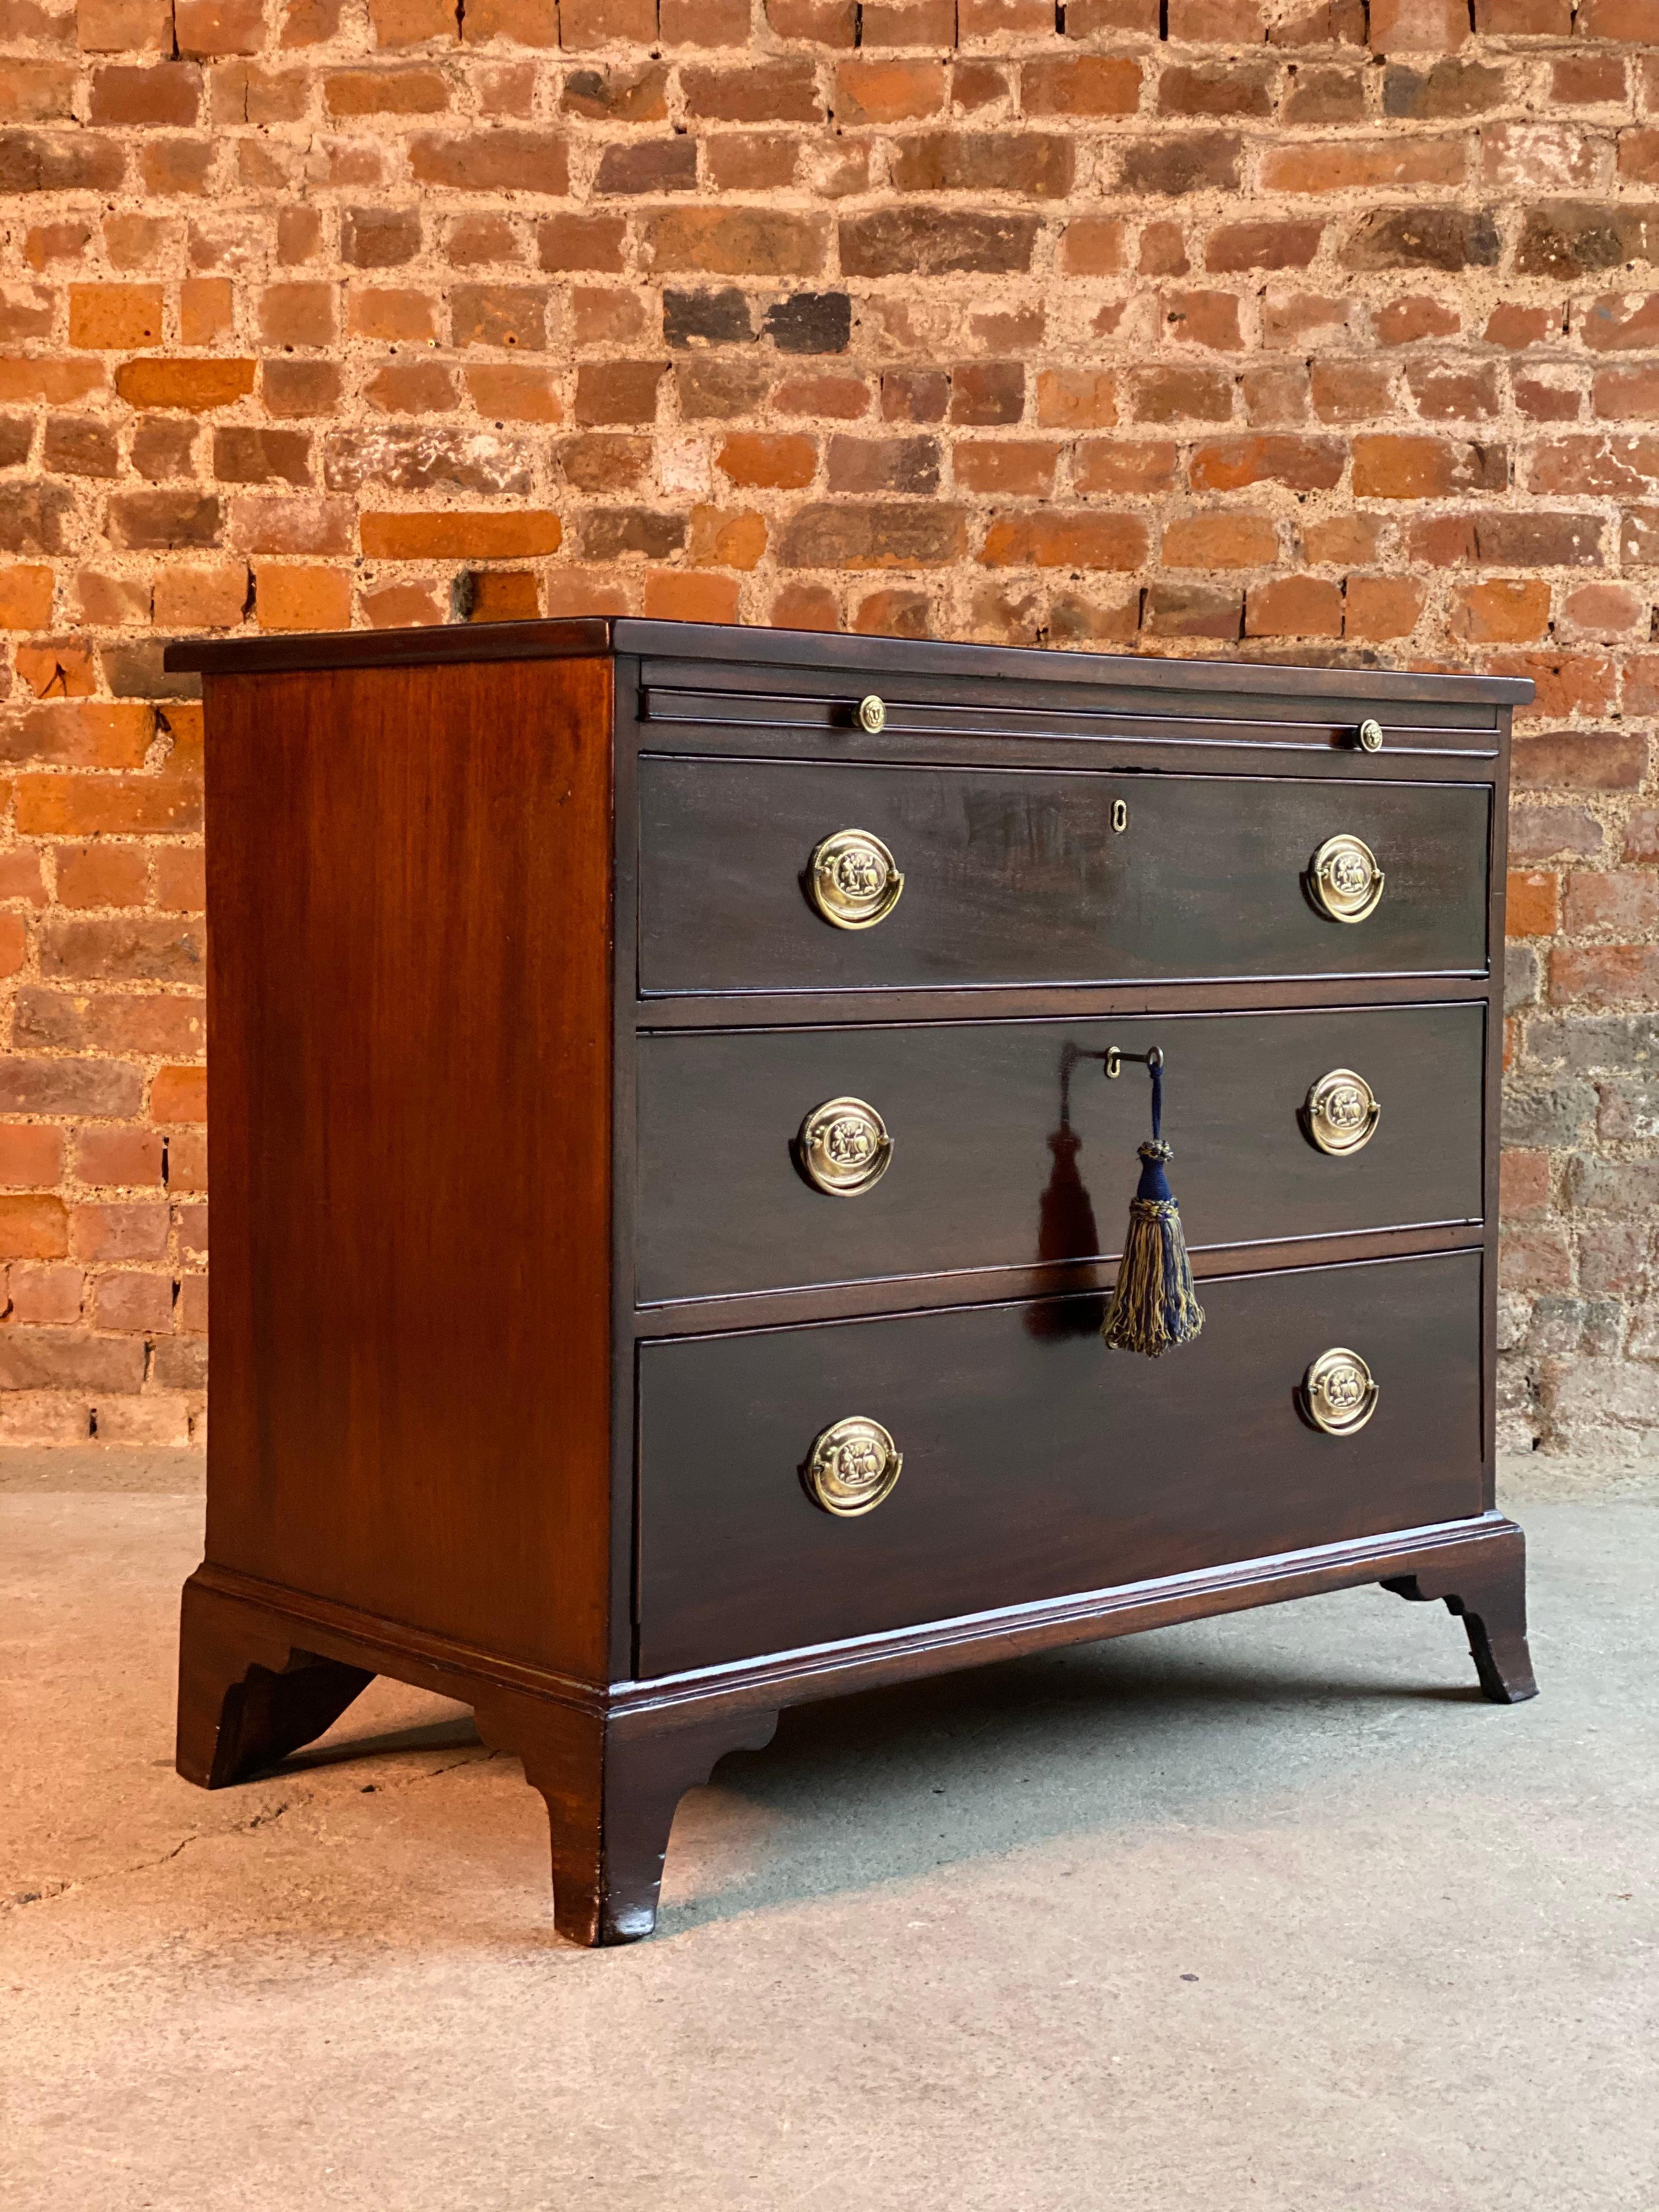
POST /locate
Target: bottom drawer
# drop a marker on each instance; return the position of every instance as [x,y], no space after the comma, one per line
[1036,1462]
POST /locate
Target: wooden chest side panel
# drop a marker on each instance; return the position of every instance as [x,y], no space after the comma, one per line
[410,904]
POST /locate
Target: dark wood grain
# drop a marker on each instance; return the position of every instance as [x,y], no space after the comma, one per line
[1036,1461]
[611,1787]
[1011,1149]
[1017,877]
[736,646]
[1300,726]
[425,892]
[1488,1594]
[409,897]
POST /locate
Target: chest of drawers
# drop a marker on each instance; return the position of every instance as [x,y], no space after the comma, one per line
[667,1182]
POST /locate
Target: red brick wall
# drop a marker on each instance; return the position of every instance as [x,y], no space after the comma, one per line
[1281,329]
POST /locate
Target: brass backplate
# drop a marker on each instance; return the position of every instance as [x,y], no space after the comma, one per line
[853,1466]
[854,880]
[1339,1393]
[1344,879]
[843,1147]
[1341,1112]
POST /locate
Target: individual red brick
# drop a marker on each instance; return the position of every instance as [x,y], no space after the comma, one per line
[42,1294]
[1382,607]
[115,316]
[198,386]
[1093,246]
[1125,466]
[1533,902]
[1524,1184]
[1503,611]
[1018,468]
[180,885]
[1047,539]
[1594,978]
[179,1094]
[1399,467]
[102,876]
[484,535]
[113,1232]
[1622,900]
[1580,760]
[1294,606]
[218,26]
[1077,398]
[26,595]
[1301,464]
[1220,540]
[738,242]
[1437,27]
[169,95]
[871,91]
[862,534]
[1262,244]
[534,162]
[287,598]
[1080,85]
[681,596]
[33,1228]
[1363,165]
[31,1156]
[123,26]
[771,460]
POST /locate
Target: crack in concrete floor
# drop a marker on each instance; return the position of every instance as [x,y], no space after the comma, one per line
[1269,1912]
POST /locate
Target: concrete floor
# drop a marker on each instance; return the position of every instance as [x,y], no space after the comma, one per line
[1265,1912]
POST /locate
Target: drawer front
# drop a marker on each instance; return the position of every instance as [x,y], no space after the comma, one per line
[1036,1462]
[1009,1150]
[1018,876]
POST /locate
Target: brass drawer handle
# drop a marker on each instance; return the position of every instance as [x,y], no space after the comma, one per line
[843,1147]
[1344,879]
[1341,1112]
[1339,1393]
[872,715]
[853,1466]
[854,880]
[1370,735]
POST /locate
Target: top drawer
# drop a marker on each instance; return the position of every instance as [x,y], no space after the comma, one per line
[1021,876]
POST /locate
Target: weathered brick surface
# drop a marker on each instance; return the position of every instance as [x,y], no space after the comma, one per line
[1283,330]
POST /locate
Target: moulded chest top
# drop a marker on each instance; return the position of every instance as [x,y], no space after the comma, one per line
[587,636]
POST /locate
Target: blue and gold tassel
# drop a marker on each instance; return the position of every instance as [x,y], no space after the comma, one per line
[1154,1304]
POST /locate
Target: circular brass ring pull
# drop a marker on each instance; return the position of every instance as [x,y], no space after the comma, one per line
[872,715]
[1341,1112]
[1370,736]
[1345,879]
[854,880]
[853,1466]
[843,1147]
[1339,1393]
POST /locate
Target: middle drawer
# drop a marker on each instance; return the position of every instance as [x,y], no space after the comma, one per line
[1011,1149]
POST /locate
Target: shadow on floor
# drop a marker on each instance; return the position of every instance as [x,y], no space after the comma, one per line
[1084,1741]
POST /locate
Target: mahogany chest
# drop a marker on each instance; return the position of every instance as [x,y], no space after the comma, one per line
[668,1175]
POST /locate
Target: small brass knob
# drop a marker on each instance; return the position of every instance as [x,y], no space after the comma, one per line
[1345,879]
[854,879]
[1340,1113]
[1370,736]
[853,1466]
[843,1147]
[872,715]
[1339,1393]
